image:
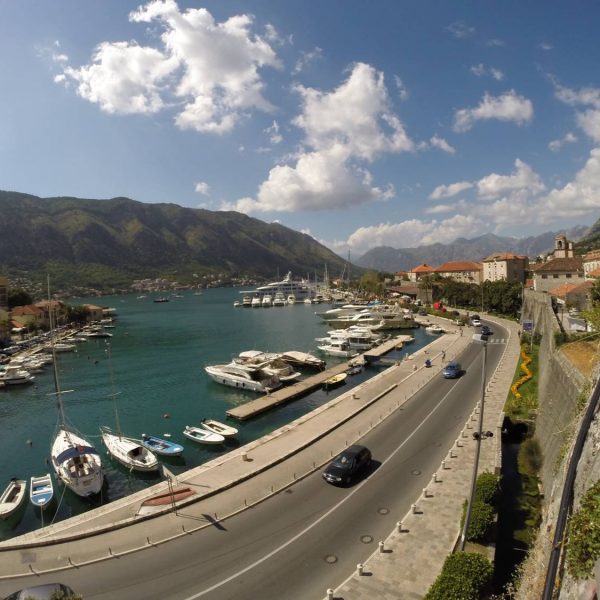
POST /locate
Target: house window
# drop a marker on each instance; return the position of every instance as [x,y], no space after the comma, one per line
[555,276]
[544,276]
[568,275]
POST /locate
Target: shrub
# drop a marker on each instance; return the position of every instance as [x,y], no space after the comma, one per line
[482,518]
[530,457]
[583,547]
[464,576]
[487,488]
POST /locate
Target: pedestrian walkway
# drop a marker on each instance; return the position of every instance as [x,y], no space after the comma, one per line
[249,474]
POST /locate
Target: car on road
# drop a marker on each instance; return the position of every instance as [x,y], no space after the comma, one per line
[344,467]
[485,330]
[476,322]
[452,370]
[46,591]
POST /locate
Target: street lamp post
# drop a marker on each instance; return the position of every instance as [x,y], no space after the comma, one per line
[463,537]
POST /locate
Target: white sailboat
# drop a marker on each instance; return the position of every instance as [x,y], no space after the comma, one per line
[130,452]
[76,462]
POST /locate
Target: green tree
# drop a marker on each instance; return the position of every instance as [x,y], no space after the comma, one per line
[77,314]
[18,297]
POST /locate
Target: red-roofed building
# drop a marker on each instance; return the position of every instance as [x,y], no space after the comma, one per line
[591,263]
[466,271]
[595,274]
[417,272]
[574,296]
[505,266]
[553,273]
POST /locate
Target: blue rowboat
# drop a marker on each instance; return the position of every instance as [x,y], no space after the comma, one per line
[41,491]
[161,446]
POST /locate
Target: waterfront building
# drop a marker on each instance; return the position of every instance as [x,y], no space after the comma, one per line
[466,271]
[419,271]
[505,266]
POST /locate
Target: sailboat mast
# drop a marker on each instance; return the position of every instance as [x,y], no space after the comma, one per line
[114,394]
[61,411]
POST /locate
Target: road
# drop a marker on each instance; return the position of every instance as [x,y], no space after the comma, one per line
[309,537]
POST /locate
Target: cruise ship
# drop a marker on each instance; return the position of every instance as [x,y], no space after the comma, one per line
[300,289]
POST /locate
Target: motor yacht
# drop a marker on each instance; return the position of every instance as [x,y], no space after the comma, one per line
[269,363]
[339,348]
[267,301]
[279,299]
[243,377]
[15,375]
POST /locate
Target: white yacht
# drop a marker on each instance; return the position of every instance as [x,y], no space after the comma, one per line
[267,301]
[247,301]
[300,289]
[270,363]
[128,451]
[279,299]
[357,338]
[243,377]
[291,299]
[339,348]
[15,375]
[256,302]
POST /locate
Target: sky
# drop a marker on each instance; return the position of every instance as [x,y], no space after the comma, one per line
[387,122]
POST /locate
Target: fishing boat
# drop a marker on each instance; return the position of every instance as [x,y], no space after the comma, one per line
[41,491]
[12,497]
[75,461]
[217,427]
[162,500]
[161,446]
[334,381]
[203,436]
[434,330]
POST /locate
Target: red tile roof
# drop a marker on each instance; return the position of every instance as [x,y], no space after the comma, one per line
[563,265]
[459,265]
[562,290]
[424,268]
[503,256]
[594,273]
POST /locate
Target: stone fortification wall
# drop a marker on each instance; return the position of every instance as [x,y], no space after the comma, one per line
[559,386]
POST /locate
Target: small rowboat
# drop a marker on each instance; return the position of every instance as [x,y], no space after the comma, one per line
[334,381]
[164,499]
[160,446]
[12,497]
[217,427]
[202,436]
[41,491]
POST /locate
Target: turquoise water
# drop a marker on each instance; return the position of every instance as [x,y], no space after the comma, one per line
[159,351]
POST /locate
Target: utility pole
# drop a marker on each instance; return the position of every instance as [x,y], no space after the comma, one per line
[463,535]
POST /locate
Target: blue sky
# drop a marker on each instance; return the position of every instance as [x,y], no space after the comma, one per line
[361,123]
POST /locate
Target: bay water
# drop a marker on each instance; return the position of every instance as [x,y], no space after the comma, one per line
[154,373]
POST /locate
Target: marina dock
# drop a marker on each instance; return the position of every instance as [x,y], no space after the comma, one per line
[301,388]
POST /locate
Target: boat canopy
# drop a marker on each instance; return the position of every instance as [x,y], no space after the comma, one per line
[74,451]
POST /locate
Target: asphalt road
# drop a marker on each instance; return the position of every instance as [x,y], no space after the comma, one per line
[309,537]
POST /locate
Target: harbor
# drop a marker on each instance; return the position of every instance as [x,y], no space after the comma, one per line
[159,351]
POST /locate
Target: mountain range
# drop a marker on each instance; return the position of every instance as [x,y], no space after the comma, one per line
[386,258]
[107,243]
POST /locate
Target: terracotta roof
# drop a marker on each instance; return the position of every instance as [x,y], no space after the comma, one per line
[562,290]
[19,311]
[583,287]
[504,256]
[591,255]
[459,265]
[565,265]
[424,268]
[92,306]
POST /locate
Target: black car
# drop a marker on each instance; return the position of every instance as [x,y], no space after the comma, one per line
[485,330]
[452,370]
[343,468]
[46,591]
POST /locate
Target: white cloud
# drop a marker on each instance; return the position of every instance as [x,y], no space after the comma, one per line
[306,59]
[447,191]
[507,107]
[319,180]
[213,68]
[556,145]
[459,29]
[123,78]
[411,233]
[356,114]
[402,91]
[343,129]
[202,188]
[524,178]
[441,144]
[578,197]
[545,46]
[273,132]
[481,70]
[589,119]
[494,42]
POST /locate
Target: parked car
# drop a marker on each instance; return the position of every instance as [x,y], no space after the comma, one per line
[344,467]
[452,370]
[46,591]
[475,322]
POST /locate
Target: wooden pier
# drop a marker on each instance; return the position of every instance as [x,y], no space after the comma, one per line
[301,388]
